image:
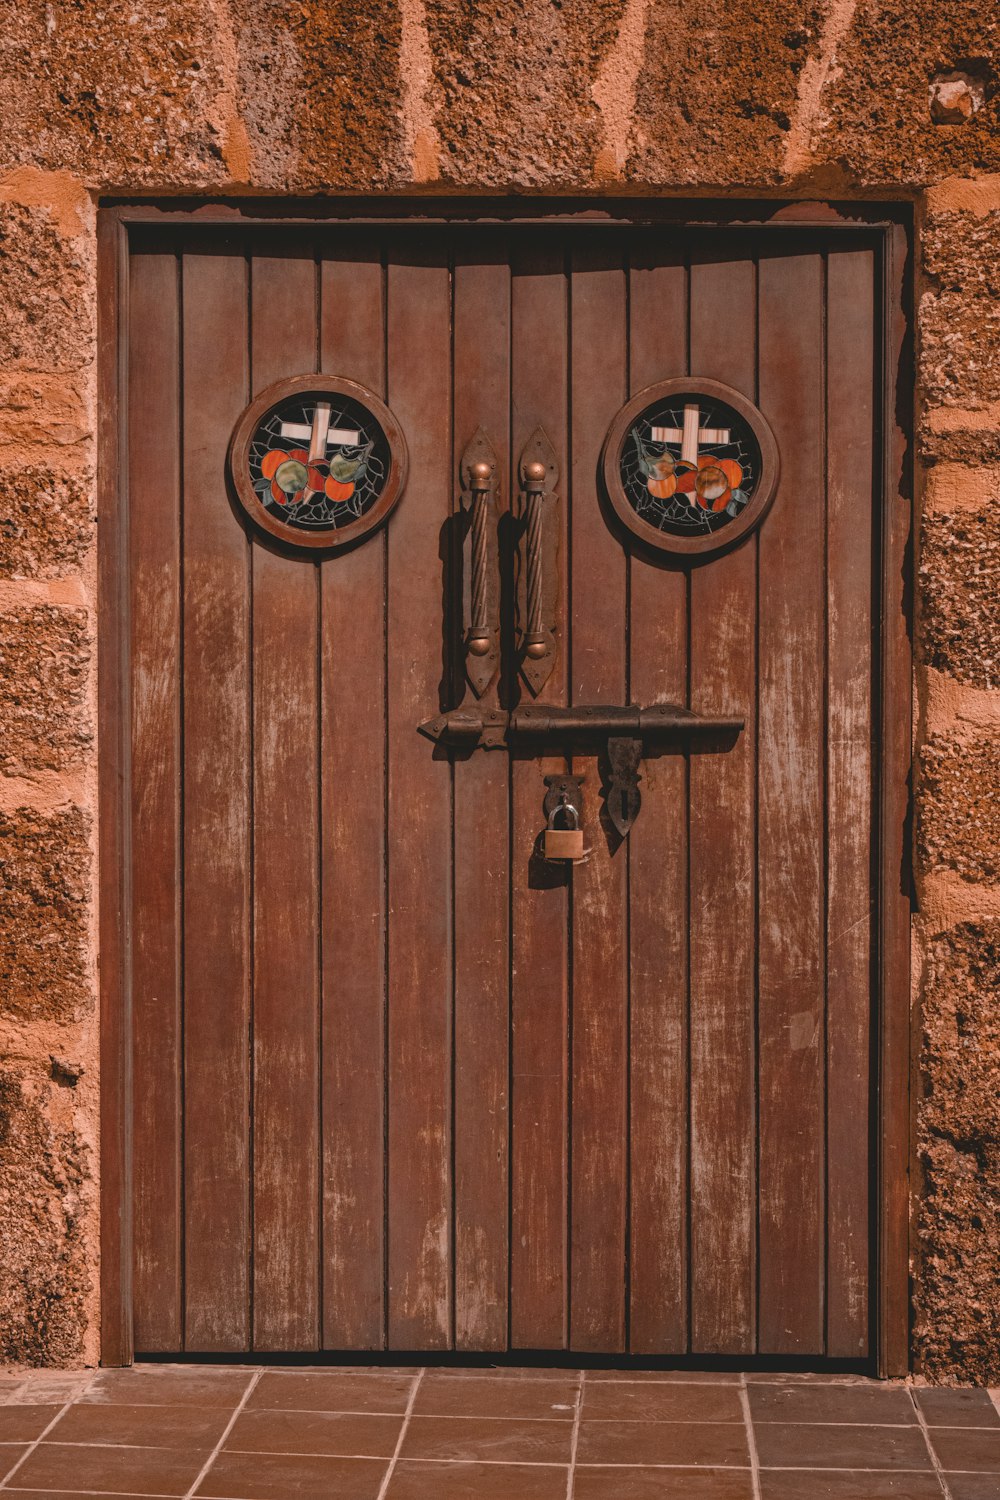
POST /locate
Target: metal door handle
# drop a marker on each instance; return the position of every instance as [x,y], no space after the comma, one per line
[479,469]
[538,472]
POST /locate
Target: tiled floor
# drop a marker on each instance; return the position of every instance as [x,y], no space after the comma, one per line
[354,1434]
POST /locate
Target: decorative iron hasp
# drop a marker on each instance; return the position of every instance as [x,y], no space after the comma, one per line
[622,733]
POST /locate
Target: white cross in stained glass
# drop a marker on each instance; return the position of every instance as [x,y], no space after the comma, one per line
[691,435]
[320,435]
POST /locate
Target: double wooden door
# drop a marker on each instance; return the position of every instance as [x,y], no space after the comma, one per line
[391,1088]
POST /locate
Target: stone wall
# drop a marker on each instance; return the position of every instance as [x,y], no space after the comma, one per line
[808,98]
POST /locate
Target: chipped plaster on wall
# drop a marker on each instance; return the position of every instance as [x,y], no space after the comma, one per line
[817,73]
[614,90]
[420,138]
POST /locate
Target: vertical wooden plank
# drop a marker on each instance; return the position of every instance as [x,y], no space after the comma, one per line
[539,1288]
[352,907]
[482,956]
[722,897]
[599,1162]
[286,866]
[154,614]
[658,915]
[850,435]
[790,790]
[420,811]
[216,813]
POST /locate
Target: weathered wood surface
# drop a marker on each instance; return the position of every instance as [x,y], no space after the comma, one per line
[417,1090]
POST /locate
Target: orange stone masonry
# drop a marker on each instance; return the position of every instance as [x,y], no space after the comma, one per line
[806,99]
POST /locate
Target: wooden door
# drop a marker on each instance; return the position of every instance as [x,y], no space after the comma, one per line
[392,1090]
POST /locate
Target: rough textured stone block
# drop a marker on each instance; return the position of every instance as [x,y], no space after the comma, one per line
[957,1309]
[117,92]
[960,600]
[963,445]
[44,1169]
[320,93]
[876,110]
[718,90]
[513,88]
[44,661]
[958,799]
[46,521]
[45,890]
[46,291]
[960,312]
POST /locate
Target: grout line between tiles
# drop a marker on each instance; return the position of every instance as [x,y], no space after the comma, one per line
[574,1441]
[210,1460]
[4,1483]
[751,1439]
[394,1460]
[941,1479]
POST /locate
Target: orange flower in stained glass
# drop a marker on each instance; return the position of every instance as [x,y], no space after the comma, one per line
[290,473]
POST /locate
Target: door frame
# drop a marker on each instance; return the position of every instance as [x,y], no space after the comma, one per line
[894,1048]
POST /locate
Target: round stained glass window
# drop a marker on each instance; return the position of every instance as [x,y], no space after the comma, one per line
[690,465]
[317,461]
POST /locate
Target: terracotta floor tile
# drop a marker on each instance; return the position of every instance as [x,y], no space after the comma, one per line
[257,1476]
[662,1484]
[52,1387]
[473,1438]
[431,1481]
[141,1426]
[974,1486]
[9,1455]
[832,1403]
[703,1445]
[666,1377]
[169,1385]
[516,1372]
[967,1448]
[481,1396]
[332,1391]
[811,1446]
[643,1401]
[956,1408]
[75,1495]
[366,1436]
[806,1484]
[119,1471]
[22,1424]
[786,1377]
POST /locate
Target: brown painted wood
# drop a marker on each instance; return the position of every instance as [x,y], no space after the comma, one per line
[658,886]
[850,395]
[154,614]
[420,814]
[286,1037]
[722,873]
[539,1286]
[352,902]
[114,774]
[599,1016]
[217,847]
[790,782]
[481,851]
[378,1014]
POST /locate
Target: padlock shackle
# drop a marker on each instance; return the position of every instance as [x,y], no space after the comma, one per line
[563,807]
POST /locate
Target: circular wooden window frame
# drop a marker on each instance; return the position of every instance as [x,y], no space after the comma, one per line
[757,506]
[238,460]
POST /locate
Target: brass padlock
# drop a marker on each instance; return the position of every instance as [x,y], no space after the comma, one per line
[563,843]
